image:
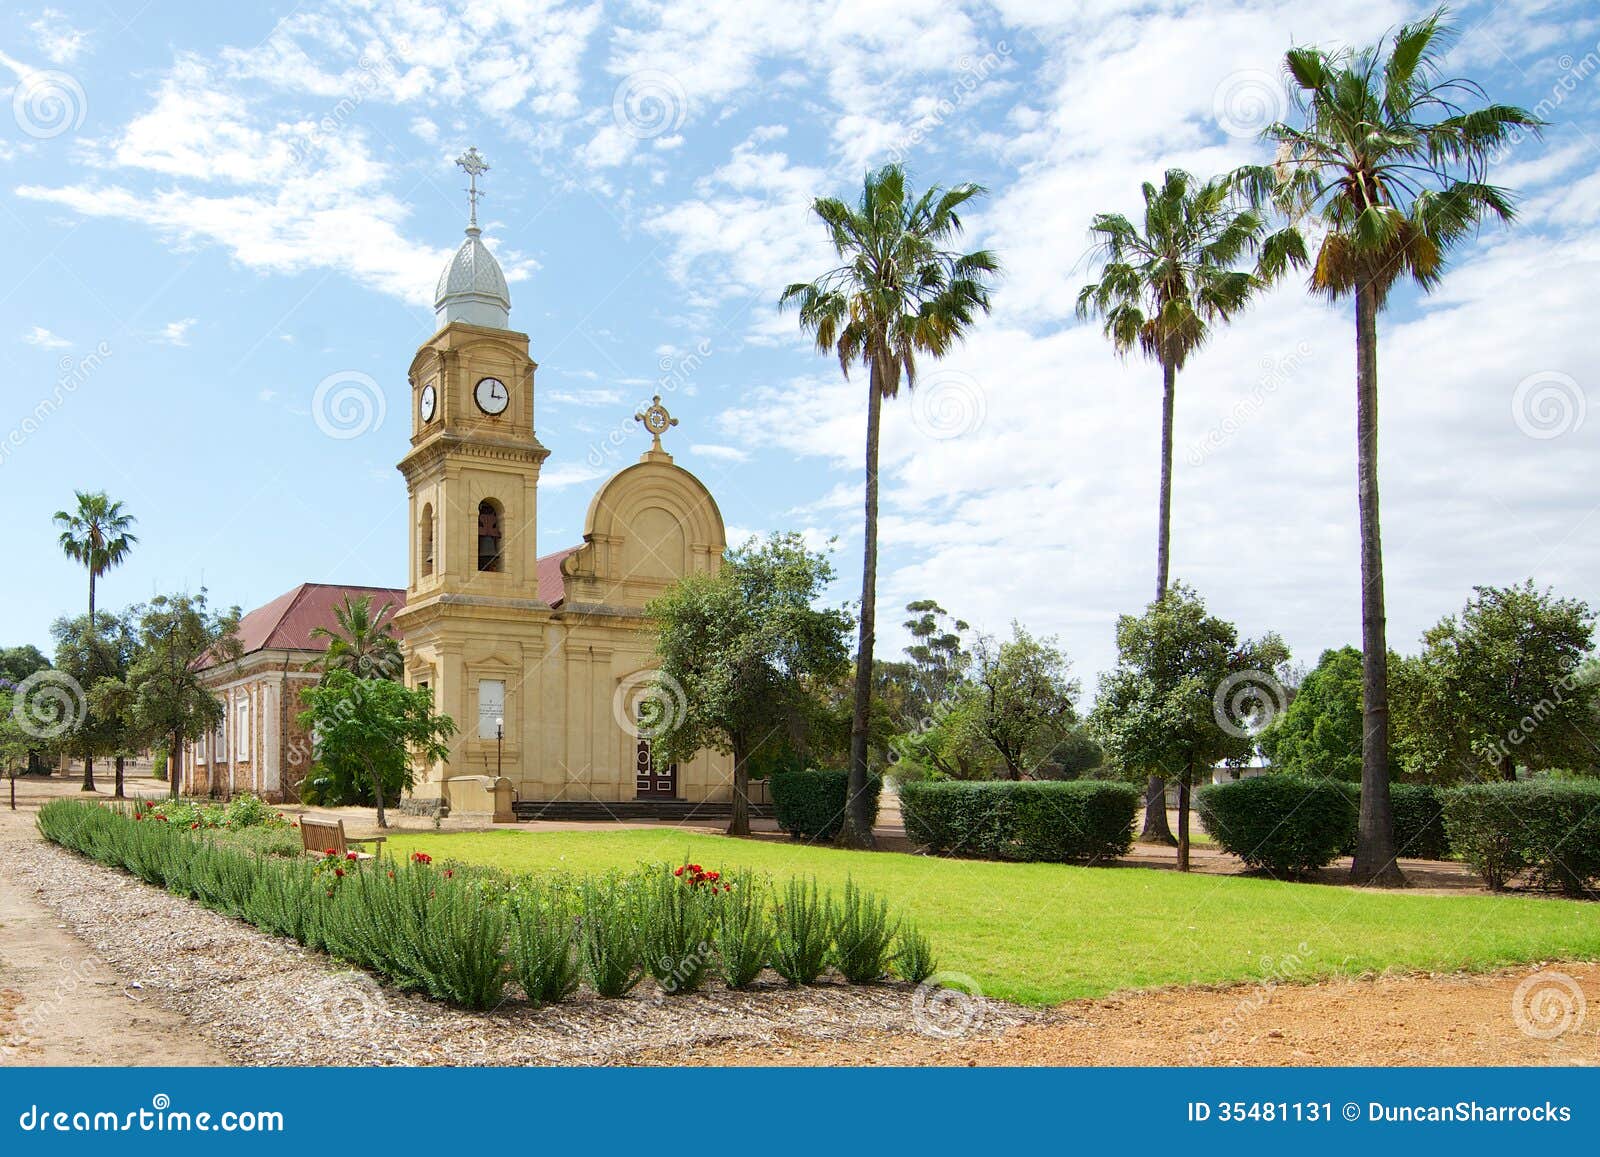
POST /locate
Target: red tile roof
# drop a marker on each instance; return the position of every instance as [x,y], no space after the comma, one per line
[548,568]
[287,621]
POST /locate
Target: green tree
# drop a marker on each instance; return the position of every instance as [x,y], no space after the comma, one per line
[85,656]
[938,654]
[746,647]
[1504,685]
[1198,258]
[896,294]
[17,663]
[17,744]
[1172,705]
[1319,734]
[373,731]
[111,701]
[1390,159]
[1020,699]
[361,641]
[175,632]
[96,535]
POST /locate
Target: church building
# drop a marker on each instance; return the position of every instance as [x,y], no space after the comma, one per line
[543,660]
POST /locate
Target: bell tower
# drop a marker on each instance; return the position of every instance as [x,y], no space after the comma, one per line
[474,626]
[473,468]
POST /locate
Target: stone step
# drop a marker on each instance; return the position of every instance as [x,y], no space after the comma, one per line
[632,809]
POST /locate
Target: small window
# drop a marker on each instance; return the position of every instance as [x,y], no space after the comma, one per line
[425,551]
[489,534]
[241,732]
[491,707]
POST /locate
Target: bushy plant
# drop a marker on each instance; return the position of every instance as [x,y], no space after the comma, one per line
[612,958]
[1280,824]
[544,943]
[809,805]
[675,918]
[863,935]
[802,932]
[1077,821]
[914,959]
[744,933]
[1548,827]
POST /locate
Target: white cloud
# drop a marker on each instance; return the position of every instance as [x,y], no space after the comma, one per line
[55,36]
[720,453]
[175,332]
[44,339]
[597,397]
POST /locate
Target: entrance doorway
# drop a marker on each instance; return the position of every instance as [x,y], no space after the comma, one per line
[650,780]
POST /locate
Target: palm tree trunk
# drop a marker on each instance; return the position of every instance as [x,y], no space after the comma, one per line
[1375,851]
[91,599]
[1156,829]
[739,815]
[856,831]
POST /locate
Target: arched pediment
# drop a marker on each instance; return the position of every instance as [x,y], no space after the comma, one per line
[647,526]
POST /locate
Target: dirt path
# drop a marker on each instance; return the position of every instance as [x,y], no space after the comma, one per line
[1418,1020]
[60,1003]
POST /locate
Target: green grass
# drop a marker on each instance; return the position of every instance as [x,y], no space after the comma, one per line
[1043,933]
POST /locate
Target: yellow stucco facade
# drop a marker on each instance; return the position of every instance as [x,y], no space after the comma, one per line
[549,654]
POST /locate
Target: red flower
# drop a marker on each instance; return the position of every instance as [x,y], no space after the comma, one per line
[330,851]
[421,858]
[677,871]
[338,871]
[448,872]
[350,855]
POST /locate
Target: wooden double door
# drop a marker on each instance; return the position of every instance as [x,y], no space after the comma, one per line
[653,780]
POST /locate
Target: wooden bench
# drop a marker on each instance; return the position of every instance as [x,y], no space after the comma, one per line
[322,836]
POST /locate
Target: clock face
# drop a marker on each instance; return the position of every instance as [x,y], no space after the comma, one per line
[491,396]
[427,403]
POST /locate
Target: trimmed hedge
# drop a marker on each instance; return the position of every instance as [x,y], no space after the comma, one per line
[1071,821]
[1419,831]
[1547,828]
[1279,824]
[810,804]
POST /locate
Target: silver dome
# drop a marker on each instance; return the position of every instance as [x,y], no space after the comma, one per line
[472,288]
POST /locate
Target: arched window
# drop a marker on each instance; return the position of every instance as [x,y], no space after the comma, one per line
[426,551]
[489,535]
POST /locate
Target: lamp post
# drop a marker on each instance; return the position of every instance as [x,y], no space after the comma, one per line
[499,744]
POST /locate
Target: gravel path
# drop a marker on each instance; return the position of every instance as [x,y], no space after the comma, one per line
[262,1000]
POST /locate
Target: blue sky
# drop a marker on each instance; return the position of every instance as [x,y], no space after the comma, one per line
[209,210]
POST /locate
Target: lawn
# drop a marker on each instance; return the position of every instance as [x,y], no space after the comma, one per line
[1043,933]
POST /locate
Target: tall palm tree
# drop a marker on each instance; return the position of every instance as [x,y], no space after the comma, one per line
[1390,160]
[896,293]
[96,535]
[1161,287]
[361,641]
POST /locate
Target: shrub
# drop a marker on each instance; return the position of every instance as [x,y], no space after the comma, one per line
[463,943]
[810,804]
[744,935]
[1061,822]
[914,959]
[1548,827]
[1419,831]
[610,943]
[863,935]
[544,944]
[675,918]
[1280,824]
[803,926]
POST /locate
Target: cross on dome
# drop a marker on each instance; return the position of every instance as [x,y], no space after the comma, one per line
[472,161]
